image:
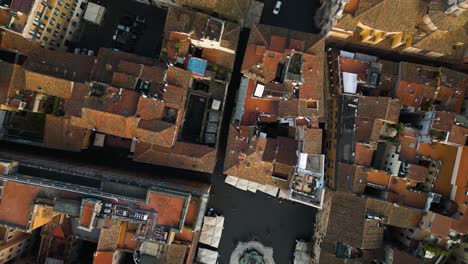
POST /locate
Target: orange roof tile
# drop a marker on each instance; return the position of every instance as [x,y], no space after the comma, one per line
[441,225]
[458,135]
[103,257]
[378,177]
[297,44]
[312,141]
[447,154]
[254,106]
[169,208]
[402,195]
[154,74]
[107,123]
[86,214]
[363,154]
[413,94]
[277,43]
[156,132]
[149,108]
[417,173]
[123,80]
[130,68]
[443,120]
[14,208]
[462,178]
[192,211]
[408,148]
[185,235]
[48,85]
[354,66]
[60,134]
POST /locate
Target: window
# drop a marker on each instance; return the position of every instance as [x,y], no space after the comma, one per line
[411,145]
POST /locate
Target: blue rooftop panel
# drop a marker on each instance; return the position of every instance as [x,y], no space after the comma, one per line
[197,66]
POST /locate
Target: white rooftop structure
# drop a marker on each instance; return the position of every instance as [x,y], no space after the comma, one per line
[212,230]
[350,81]
[259,90]
[207,256]
[94,13]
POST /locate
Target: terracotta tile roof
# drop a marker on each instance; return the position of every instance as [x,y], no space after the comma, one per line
[75,103]
[174,96]
[107,123]
[185,235]
[126,103]
[60,134]
[363,154]
[149,108]
[192,212]
[441,225]
[399,193]
[286,150]
[169,208]
[48,85]
[379,107]
[354,66]
[154,74]
[443,120]
[417,173]
[288,108]
[156,132]
[413,94]
[447,154]
[86,213]
[351,178]
[312,141]
[182,155]
[390,15]
[462,178]
[108,61]
[24,6]
[123,80]
[346,220]
[219,57]
[403,257]
[103,257]
[312,71]
[277,43]
[461,225]
[130,68]
[14,208]
[296,44]
[378,177]
[408,148]
[254,106]
[363,130]
[395,215]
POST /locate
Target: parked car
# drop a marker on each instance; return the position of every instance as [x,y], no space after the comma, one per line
[140,19]
[90,52]
[277,7]
[77,50]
